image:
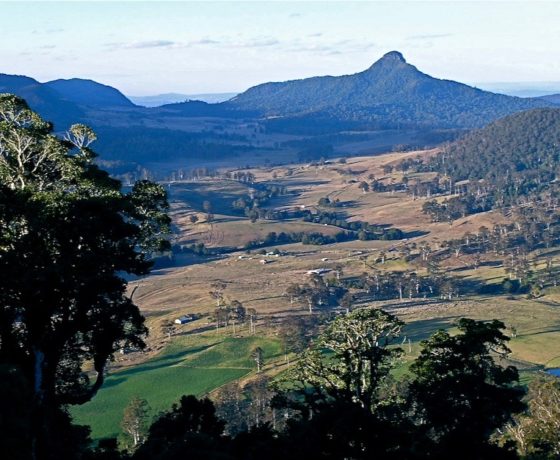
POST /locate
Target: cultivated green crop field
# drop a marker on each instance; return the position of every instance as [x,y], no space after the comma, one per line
[190,365]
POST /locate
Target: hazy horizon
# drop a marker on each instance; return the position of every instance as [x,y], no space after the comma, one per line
[194,48]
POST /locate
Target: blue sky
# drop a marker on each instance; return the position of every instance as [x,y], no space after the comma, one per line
[195,47]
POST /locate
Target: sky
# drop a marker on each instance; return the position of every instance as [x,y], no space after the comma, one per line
[146,48]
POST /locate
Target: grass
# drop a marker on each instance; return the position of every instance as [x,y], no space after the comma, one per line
[536,344]
[189,365]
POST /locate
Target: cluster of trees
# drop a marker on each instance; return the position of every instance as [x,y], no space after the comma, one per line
[456,207]
[383,285]
[201,172]
[532,228]
[245,177]
[315,294]
[246,407]
[536,432]
[327,202]
[315,238]
[198,249]
[364,230]
[236,314]
[251,205]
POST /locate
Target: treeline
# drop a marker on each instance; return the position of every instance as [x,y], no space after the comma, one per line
[456,207]
[317,293]
[314,238]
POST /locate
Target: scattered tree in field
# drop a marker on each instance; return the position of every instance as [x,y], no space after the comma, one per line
[135,420]
[193,218]
[217,292]
[207,207]
[258,356]
[252,315]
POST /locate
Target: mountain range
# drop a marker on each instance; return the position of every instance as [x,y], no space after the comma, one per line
[390,103]
[64,101]
[89,93]
[391,93]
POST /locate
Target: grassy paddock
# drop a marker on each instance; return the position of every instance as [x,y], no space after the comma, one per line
[189,365]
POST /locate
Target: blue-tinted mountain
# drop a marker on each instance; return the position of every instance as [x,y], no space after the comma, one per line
[89,93]
[46,101]
[172,98]
[554,98]
[391,93]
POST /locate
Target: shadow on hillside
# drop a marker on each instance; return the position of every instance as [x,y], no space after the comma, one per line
[154,364]
[422,329]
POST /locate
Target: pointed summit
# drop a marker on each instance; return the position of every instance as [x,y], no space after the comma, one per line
[395,56]
[389,60]
[390,93]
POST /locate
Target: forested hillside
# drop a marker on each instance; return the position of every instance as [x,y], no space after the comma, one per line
[511,163]
[391,93]
[521,148]
[554,98]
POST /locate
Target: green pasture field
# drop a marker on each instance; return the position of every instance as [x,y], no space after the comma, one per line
[194,364]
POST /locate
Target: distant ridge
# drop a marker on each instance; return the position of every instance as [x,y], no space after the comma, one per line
[172,98]
[89,93]
[49,103]
[391,93]
[554,98]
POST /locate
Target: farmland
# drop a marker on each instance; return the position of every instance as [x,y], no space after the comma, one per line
[193,364]
[196,359]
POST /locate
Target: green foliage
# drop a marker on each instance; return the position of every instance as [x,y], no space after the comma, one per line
[135,420]
[521,148]
[503,164]
[67,234]
[190,428]
[536,431]
[351,358]
[459,393]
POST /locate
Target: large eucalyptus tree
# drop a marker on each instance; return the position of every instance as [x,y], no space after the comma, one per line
[68,235]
